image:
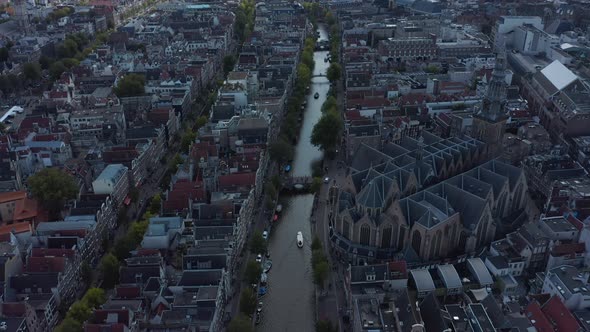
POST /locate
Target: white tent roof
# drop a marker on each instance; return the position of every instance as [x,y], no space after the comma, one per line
[558,75]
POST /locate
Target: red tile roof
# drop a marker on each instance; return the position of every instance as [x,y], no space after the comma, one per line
[12,196]
[56,252]
[46,264]
[400,267]
[118,327]
[575,221]
[568,249]
[13,309]
[122,315]
[237,180]
[178,197]
[538,318]
[17,228]
[128,292]
[562,318]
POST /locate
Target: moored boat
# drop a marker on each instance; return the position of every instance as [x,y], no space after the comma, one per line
[300,239]
[316,95]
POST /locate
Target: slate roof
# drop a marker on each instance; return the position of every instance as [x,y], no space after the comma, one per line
[374,194]
[423,280]
[197,278]
[430,311]
[449,276]
[359,273]
[43,281]
[133,274]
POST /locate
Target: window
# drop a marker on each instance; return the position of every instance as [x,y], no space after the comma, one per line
[365,236]
[386,237]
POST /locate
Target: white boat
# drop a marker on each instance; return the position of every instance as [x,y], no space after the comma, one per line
[279,208]
[300,239]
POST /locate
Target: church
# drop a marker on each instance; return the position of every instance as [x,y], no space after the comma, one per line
[429,198]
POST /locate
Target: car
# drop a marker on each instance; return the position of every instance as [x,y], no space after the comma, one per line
[326,179]
[259,258]
[265,235]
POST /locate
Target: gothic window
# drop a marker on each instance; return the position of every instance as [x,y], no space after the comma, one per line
[386,237]
[346,229]
[519,190]
[365,235]
[401,237]
[417,242]
[434,250]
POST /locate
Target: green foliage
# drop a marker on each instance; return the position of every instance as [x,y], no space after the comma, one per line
[94,297]
[67,49]
[56,69]
[316,244]
[320,273]
[32,71]
[244,23]
[432,69]
[188,138]
[59,13]
[248,301]
[130,85]
[325,326]
[45,62]
[330,105]
[70,62]
[316,185]
[109,266]
[79,311]
[86,273]
[334,72]
[281,151]
[53,187]
[156,204]
[229,61]
[253,272]
[317,256]
[201,121]
[240,323]
[69,325]
[326,132]
[257,243]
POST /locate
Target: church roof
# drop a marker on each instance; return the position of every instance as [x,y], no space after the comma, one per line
[374,193]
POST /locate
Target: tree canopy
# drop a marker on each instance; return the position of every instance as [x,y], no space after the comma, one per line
[334,71]
[326,132]
[281,151]
[32,71]
[257,243]
[109,266]
[320,273]
[53,187]
[69,325]
[130,85]
[56,69]
[253,272]
[156,204]
[187,139]
[229,61]
[325,326]
[248,301]
[331,104]
[240,323]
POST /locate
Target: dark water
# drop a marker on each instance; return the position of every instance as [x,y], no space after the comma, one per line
[289,303]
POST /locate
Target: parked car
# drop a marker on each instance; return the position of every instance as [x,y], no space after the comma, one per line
[259,258]
[265,235]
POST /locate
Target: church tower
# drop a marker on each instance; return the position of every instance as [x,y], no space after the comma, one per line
[489,121]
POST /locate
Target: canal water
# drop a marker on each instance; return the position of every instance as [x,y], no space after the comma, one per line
[289,304]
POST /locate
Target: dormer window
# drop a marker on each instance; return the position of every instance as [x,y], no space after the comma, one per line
[370,277]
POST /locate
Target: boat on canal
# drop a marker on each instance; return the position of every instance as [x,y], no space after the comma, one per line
[300,239]
[267,266]
[316,95]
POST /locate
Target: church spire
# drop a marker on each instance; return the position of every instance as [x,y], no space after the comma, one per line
[494,101]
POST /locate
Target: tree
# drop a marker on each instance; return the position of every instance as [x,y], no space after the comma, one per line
[86,273]
[248,301]
[130,85]
[334,71]
[257,243]
[331,104]
[67,49]
[45,62]
[316,244]
[109,266]
[70,62]
[326,132]
[432,69]
[156,204]
[240,323]
[325,326]
[317,256]
[56,69]
[32,71]
[270,189]
[281,151]
[201,121]
[303,75]
[253,272]
[229,61]
[95,297]
[316,185]
[53,187]
[188,138]
[69,325]
[79,311]
[320,273]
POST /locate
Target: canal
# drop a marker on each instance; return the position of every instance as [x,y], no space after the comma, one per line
[289,304]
